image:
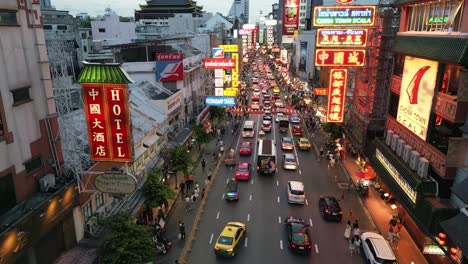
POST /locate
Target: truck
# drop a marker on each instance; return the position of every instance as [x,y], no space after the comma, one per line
[266,159]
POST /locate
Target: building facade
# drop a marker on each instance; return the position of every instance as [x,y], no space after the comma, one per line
[239,9]
[112,29]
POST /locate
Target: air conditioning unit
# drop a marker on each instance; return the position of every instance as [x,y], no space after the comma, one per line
[407,153]
[389,136]
[423,167]
[394,142]
[414,160]
[399,148]
[47,182]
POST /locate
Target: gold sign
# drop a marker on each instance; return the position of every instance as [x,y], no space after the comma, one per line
[230,48]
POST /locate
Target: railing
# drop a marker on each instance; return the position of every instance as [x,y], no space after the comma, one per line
[447,107]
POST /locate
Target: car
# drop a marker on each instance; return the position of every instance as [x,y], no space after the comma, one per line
[376,249]
[297,130]
[330,208]
[289,162]
[243,171]
[296,192]
[267,105]
[276,96]
[278,117]
[255,97]
[276,90]
[287,143]
[255,106]
[264,91]
[256,90]
[266,97]
[279,103]
[298,235]
[230,239]
[266,125]
[280,110]
[231,193]
[303,143]
[294,119]
[267,117]
[267,112]
[245,148]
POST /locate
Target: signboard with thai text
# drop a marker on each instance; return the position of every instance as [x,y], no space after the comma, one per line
[341,37]
[220,101]
[330,16]
[219,63]
[336,95]
[169,67]
[340,57]
[108,119]
[229,48]
[290,17]
[417,91]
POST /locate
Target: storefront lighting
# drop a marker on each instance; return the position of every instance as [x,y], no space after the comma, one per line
[442,235]
[386,195]
[454,251]
[393,206]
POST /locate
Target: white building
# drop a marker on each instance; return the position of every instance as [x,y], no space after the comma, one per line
[215,24]
[304,50]
[112,29]
[239,9]
[168,26]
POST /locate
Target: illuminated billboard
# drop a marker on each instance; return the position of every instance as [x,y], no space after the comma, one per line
[417,91]
[321,91]
[235,71]
[169,67]
[336,95]
[290,17]
[219,63]
[340,57]
[229,48]
[330,16]
[341,37]
[220,101]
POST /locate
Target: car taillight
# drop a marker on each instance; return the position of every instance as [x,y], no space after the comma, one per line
[290,195]
[303,196]
[309,246]
[327,211]
[292,245]
[340,212]
[258,168]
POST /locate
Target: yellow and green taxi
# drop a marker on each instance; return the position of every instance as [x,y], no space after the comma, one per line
[276,90]
[303,143]
[230,239]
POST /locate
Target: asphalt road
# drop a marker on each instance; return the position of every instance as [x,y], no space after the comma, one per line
[263,207]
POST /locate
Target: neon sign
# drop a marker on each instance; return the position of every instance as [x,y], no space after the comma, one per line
[340,57]
[341,37]
[336,95]
[329,16]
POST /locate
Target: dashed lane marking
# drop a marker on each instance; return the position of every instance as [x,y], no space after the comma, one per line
[250,198]
[281,244]
[251,181]
[316,249]
[310,222]
[277,183]
[222,197]
[307,202]
[246,241]
[278,199]
[227,180]
[279,219]
[300,172]
[211,238]
[217,216]
[248,217]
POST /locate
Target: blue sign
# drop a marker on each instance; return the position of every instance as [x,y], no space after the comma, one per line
[220,100]
[218,52]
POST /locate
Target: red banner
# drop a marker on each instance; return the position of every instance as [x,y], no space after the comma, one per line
[341,37]
[211,63]
[108,118]
[321,91]
[336,95]
[290,16]
[340,57]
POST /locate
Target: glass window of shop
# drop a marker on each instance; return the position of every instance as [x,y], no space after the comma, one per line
[99,199]
[87,211]
[436,16]
[440,133]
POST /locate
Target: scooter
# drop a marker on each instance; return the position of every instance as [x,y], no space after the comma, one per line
[163,245]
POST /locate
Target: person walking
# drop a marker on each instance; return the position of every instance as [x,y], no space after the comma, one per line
[356,232]
[192,179]
[181,230]
[352,246]
[187,185]
[209,174]
[357,245]
[347,232]
[203,163]
[187,203]
[182,187]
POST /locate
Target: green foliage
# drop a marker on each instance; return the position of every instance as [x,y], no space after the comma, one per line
[180,159]
[217,113]
[333,129]
[200,135]
[156,192]
[126,242]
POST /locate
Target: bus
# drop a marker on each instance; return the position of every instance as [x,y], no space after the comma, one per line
[266,159]
[248,129]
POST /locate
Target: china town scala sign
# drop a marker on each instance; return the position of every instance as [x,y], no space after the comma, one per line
[332,16]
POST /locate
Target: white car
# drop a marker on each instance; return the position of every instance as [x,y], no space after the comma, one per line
[296,192]
[278,117]
[289,162]
[376,249]
[279,103]
[266,125]
[255,106]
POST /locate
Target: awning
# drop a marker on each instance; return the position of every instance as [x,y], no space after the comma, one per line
[461,190]
[150,141]
[457,230]
[163,130]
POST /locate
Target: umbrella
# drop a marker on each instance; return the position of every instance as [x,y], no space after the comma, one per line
[367,174]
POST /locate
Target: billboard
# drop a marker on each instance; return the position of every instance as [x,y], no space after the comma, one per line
[229,48]
[340,57]
[108,119]
[355,15]
[235,71]
[321,91]
[303,56]
[220,101]
[169,67]
[290,17]
[336,95]
[243,32]
[218,53]
[417,91]
[219,63]
[341,37]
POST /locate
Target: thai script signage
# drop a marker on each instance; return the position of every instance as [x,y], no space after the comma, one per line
[169,67]
[336,95]
[340,57]
[219,63]
[341,37]
[290,16]
[229,48]
[326,16]
[220,101]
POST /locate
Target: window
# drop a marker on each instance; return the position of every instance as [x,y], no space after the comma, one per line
[85,49]
[102,30]
[20,96]
[439,16]
[7,197]
[83,35]
[99,199]
[399,65]
[61,27]
[47,27]
[33,164]
[87,211]
[450,79]
[8,18]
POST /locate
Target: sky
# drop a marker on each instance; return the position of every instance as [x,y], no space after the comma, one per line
[127,7]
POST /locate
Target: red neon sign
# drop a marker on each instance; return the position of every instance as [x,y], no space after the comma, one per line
[108,119]
[321,91]
[341,37]
[219,63]
[340,57]
[336,95]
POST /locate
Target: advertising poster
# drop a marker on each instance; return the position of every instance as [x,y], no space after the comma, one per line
[220,101]
[290,17]
[417,91]
[169,67]
[303,56]
[219,63]
[218,53]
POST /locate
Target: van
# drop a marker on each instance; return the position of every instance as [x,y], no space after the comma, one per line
[376,248]
[231,193]
[248,129]
[296,192]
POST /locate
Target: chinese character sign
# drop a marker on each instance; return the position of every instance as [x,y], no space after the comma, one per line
[108,119]
[235,71]
[336,95]
[169,67]
[340,57]
[341,37]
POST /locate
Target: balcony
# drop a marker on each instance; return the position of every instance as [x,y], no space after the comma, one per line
[396,84]
[449,108]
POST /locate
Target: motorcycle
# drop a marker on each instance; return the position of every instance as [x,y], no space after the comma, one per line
[362,187]
[163,245]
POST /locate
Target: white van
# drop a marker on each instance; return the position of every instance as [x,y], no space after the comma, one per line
[248,129]
[296,192]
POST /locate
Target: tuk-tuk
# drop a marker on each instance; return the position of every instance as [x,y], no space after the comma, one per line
[230,159]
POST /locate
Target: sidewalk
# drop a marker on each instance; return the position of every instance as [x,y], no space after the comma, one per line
[407,251]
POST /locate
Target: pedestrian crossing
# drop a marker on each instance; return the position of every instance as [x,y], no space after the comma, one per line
[240,110]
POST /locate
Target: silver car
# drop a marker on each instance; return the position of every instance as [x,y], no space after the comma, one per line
[289,162]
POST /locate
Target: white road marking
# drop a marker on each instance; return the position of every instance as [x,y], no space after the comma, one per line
[227,180]
[255,141]
[307,202]
[281,244]
[277,183]
[248,217]
[300,172]
[310,222]
[295,149]
[278,199]
[316,249]
[246,241]
[222,197]
[211,238]
[217,216]
[279,219]
[251,181]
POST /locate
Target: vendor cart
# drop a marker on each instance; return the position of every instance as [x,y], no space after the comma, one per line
[230,159]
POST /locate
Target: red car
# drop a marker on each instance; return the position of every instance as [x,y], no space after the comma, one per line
[255,98]
[297,130]
[245,148]
[243,171]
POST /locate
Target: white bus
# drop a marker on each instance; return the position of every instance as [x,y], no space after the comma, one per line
[248,129]
[266,159]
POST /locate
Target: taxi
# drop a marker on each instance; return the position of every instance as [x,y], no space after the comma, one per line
[276,90]
[303,143]
[229,239]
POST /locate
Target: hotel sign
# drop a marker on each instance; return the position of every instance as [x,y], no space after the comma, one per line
[341,37]
[108,119]
[330,16]
[336,95]
[340,57]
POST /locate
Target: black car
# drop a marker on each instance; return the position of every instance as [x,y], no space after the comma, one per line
[231,193]
[298,235]
[330,208]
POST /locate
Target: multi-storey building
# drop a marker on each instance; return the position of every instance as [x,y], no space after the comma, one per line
[239,9]
[112,29]
[36,196]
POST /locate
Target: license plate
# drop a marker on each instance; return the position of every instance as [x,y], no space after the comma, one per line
[334,213]
[265,171]
[301,247]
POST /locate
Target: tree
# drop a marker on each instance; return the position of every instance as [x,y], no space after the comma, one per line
[126,242]
[201,136]
[180,161]
[333,129]
[217,113]
[155,191]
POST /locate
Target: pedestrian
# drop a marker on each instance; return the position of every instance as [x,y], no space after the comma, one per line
[194,198]
[356,232]
[181,230]
[321,151]
[355,224]
[203,163]
[347,232]
[206,182]
[187,185]
[182,187]
[187,203]
[197,186]
[192,179]
[351,245]
[232,131]
[357,245]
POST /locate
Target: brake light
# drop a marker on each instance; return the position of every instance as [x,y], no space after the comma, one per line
[290,195]
[309,246]
[258,168]
[292,245]
[327,211]
[303,196]
[340,212]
